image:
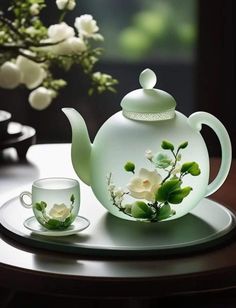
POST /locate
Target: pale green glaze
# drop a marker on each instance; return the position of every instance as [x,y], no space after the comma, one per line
[196,120]
[121,139]
[81,145]
[147,99]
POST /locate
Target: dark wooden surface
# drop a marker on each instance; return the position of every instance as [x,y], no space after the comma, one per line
[211,271]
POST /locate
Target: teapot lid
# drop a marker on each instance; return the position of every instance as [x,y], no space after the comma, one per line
[148,103]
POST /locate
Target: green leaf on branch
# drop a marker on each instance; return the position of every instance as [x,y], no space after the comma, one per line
[191,168]
[53,224]
[166,189]
[183,145]
[171,192]
[67,222]
[40,206]
[72,198]
[166,145]
[164,212]
[141,210]
[178,195]
[129,167]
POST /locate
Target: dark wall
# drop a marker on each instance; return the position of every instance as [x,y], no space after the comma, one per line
[216,66]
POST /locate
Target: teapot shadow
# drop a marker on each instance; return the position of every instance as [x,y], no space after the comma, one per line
[186,229]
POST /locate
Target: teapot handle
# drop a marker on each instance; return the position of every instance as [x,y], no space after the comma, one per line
[196,120]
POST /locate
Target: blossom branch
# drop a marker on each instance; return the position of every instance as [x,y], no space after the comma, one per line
[10,25]
[32,58]
[27,45]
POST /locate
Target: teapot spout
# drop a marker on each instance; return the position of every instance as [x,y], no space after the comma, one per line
[81,145]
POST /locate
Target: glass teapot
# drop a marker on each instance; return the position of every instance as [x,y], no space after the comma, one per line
[148,161]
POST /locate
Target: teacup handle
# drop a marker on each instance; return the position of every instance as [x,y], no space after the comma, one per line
[196,120]
[28,194]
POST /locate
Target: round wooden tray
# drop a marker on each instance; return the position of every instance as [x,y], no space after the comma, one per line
[208,225]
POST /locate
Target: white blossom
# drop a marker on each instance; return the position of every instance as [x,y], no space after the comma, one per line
[145,185]
[32,73]
[128,208]
[71,5]
[118,196]
[86,25]
[35,9]
[149,154]
[66,4]
[98,37]
[119,192]
[60,32]
[111,187]
[73,45]
[59,212]
[77,45]
[10,75]
[41,98]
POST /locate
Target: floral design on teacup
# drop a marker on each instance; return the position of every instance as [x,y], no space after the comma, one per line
[153,193]
[59,217]
[59,212]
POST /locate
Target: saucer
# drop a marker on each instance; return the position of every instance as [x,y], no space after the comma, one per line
[79,224]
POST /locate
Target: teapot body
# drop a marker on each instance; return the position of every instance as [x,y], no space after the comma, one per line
[122,152]
[148,162]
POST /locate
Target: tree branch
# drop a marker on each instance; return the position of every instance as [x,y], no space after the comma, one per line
[10,25]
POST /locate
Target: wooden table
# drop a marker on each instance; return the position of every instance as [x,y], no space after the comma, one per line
[40,271]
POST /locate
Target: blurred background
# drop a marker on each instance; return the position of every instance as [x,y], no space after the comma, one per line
[188,43]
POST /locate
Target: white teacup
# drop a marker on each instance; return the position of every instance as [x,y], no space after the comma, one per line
[55,201]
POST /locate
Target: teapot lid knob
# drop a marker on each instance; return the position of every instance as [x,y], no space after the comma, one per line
[147,79]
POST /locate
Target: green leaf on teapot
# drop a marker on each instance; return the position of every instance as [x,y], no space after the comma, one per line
[72,198]
[161,161]
[141,210]
[183,145]
[179,157]
[166,145]
[129,166]
[164,212]
[40,206]
[191,168]
[178,195]
[166,189]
